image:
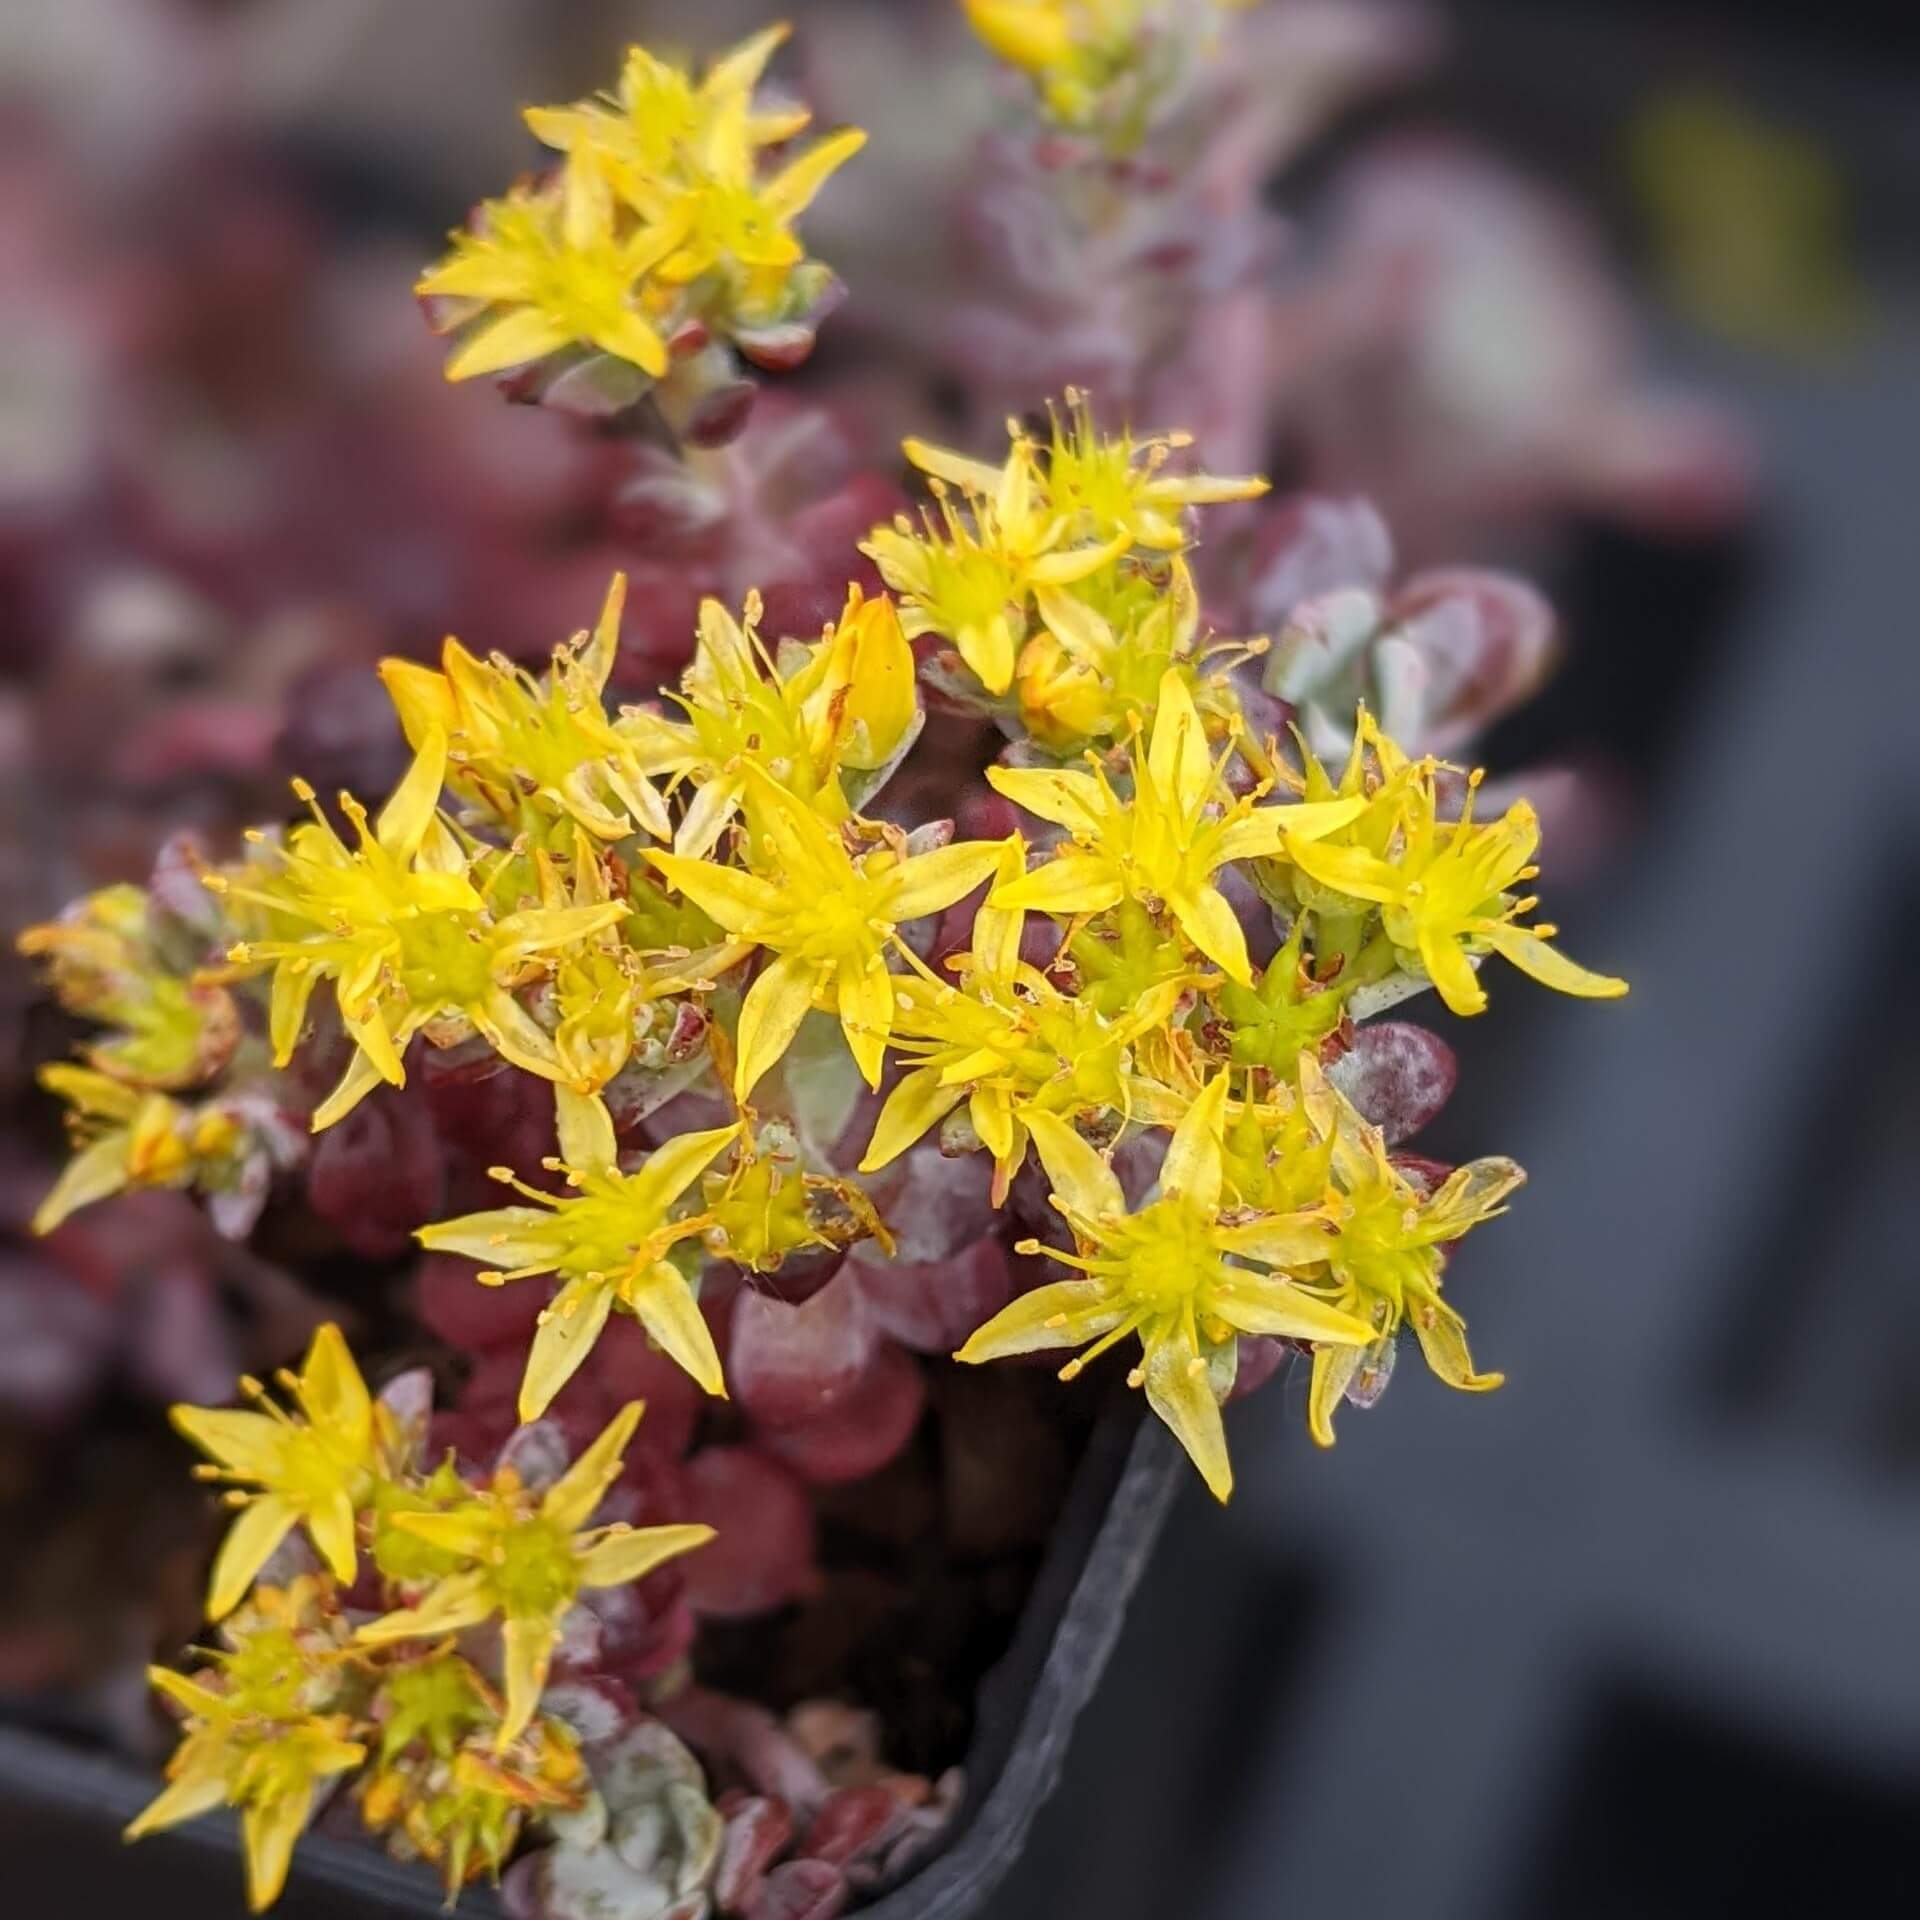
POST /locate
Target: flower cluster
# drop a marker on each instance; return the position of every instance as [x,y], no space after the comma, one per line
[602,864]
[384,1619]
[1060,578]
[170,1091]
[659,234]
[773,1013]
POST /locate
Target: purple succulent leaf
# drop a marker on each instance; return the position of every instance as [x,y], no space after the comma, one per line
[1260,1358]
[749,1740]
[593,386]
[800,1890]
[934,1203]
[538,1452]
[597,1709]
[920,1831]
[408,1397]
[1310,545]
[855,1824]
[56,1342]
[178,1344]
[1320,648]
[664,505]
[1487,640]
[1398,1075]
[637,1092]
[757,1831]
[931,1307]
[1399,689]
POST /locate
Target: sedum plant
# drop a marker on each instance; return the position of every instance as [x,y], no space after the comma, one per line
[660,238]
[995,968]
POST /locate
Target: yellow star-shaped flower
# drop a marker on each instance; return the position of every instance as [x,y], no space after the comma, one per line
[1175,1274]
[1163,844]
[830,920]
[527,1558]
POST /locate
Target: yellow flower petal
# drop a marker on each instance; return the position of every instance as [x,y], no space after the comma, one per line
[331,1388]
[706,817]
[1192,1166]
[251,1445]
[504,1237]
[1213,927]
[268,1832]
[770,1016]
[359,1080]
[287,1009]
[989,650]
[1180,1391]
[526,1647]
[1258,1303]
[633,1552]
[516,337]
[917,1103]
[792,189]
[466,1532]
[740,69]
[1443,1340]
[627,336]
[664,1304]
[1068,883]
[673,1167]
[569,1325]
[1283,1240]
[1333,1371]
[585,1128]
[516,1034]
[257,1530]
[1067,1313]
[1177,756]
[571,1500]
[1026,36]
[864,994]
[930,882]
[1548,965]
[971,476]
[1470,1195]
[1070,800]
[187,1798]
[1349,870]
[992,1117]
[404,820]
[1451,972]
[997,931]
[330,1523]
[460,1600]
[1082,1180]
[94,1173]
[421,698]
[741,902]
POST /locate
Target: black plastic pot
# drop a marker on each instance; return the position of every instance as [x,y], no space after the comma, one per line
[61,1809]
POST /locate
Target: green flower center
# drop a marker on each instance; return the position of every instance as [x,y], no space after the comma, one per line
[443,960]
[537,1573]
[1166,1256]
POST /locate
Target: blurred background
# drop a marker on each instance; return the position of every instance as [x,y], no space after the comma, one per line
[1636,1635]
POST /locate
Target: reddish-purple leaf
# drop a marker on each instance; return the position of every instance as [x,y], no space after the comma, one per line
[763,1552]
[799,1890]
[1398,1075]
[856,1821]
[758,1829]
